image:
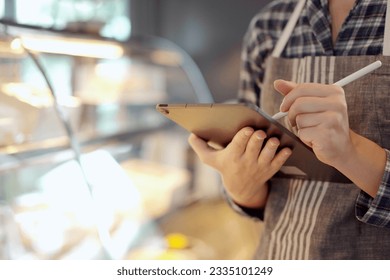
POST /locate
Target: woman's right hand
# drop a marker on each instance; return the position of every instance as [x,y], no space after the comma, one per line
[246,164]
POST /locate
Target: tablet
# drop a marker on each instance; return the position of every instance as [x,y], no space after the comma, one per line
[217,123]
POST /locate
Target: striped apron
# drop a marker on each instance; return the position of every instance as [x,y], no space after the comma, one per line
[316,220]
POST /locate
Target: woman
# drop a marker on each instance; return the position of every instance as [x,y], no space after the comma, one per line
[346,128]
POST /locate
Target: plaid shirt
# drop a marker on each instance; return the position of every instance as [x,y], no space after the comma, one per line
[361,35]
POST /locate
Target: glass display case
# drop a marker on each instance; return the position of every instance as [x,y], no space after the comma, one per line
[86,162]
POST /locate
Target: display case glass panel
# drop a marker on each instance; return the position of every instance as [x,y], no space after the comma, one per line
[86,162]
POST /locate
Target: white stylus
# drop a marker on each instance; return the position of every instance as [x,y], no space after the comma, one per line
[345,81]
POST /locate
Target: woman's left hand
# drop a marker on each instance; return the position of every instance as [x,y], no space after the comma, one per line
[320,114]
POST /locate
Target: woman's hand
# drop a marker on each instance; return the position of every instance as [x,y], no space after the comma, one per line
[245,165]
[320,114]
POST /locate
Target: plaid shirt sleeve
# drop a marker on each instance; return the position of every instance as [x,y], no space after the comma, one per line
[376,211]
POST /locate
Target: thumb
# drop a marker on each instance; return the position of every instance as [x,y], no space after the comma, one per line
[205,153]
[284,87]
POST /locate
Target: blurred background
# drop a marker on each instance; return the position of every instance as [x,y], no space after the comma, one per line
[88,168]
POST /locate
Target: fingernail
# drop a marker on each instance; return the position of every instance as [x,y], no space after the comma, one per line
[281,105]
[277,81]
[293,125]
[274,142]
[260,136]
[248,132]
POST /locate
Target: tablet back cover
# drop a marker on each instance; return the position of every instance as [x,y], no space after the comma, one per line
[218,123]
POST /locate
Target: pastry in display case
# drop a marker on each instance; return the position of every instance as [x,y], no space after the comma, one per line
[86,163]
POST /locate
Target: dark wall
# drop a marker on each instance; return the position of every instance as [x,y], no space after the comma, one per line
[211,31]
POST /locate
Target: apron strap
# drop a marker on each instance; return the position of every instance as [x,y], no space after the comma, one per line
[386,39]
[287,31]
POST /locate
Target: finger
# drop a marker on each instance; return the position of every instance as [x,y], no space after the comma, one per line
[315,105]
[239,142]
[307,106]
[202,149]
[309,90]
[284,87]
[269,151]
[255,144]
[310,136]
[308,120]
[280,158]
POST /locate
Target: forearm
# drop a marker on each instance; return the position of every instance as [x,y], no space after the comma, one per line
[364,164]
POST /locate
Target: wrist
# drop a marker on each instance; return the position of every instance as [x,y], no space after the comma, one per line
[363,163]
[255,200]
[350,153]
